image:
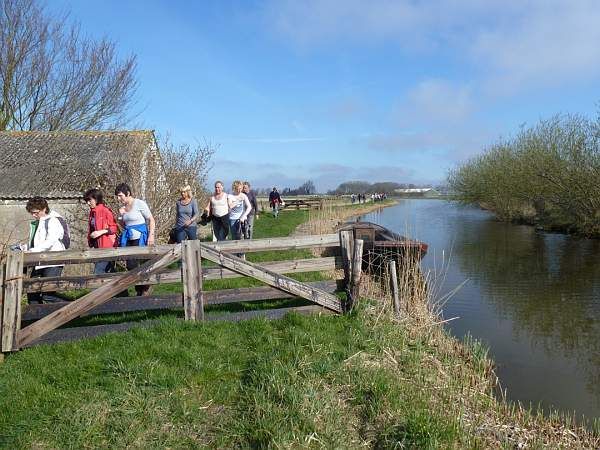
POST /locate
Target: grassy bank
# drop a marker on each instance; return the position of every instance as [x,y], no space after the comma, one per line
[547,175]
[360,380]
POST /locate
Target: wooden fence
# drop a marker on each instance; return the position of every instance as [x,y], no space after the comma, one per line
[304,202]
[25,325]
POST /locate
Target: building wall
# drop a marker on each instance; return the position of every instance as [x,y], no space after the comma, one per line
[14,220]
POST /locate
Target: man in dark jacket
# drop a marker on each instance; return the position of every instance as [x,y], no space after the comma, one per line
[275,201]
[248,231]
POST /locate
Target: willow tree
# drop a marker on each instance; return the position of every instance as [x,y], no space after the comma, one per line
[54,78]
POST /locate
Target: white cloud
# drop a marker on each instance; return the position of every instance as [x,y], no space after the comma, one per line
[511,45]
[409,23]
[274,140]
[449,144]
[552,42]
[436,100]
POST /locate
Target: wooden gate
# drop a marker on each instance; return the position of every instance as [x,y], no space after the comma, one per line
[46,319]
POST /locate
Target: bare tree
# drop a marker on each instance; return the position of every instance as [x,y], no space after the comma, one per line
[156,176]
[53,78]
[179,165]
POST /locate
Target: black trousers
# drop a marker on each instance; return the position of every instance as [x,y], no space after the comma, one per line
[39,297]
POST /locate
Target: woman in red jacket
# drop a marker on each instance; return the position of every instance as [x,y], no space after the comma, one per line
[102,228]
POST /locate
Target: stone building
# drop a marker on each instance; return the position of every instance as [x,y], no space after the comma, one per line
[61,165]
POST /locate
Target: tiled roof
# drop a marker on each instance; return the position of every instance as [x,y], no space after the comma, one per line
[60,164]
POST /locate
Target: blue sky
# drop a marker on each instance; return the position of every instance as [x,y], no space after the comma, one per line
[333,91]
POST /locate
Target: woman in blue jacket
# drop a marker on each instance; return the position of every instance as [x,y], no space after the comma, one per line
[138,226]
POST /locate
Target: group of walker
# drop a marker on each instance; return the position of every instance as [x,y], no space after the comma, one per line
[230,214]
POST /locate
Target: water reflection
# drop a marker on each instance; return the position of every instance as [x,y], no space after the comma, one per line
[547,284]
[533,297]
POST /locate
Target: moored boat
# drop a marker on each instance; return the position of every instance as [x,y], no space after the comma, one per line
[381,244]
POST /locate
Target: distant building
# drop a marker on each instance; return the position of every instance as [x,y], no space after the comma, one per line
[418,192]
[60,165]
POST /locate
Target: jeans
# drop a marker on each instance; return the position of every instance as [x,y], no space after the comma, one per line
[189,232]
[275,209]
[237,233]
[221,227]
[39,297]
[249,227]
[235,226]
[104,267]
[131,264]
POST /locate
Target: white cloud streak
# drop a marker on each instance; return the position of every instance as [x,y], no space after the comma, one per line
[274,140]
[513,45]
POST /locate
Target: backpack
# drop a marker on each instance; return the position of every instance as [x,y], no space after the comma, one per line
[66,239]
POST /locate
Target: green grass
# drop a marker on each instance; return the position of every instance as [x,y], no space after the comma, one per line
[299,381]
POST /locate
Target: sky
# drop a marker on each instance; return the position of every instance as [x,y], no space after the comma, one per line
[333,91]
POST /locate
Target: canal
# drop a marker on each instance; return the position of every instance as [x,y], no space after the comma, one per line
[532,297]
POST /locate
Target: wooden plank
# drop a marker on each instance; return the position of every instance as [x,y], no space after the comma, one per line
[346,241]
[95,298]
[243,246]
[273,279]
[259,293]
[191,269]
[51,284]
[281,243]
[114,305]
[2,272]
[173,301]
[356,271]
[95,255]
[2,269]
[76,333]
[13,291]
[394,285]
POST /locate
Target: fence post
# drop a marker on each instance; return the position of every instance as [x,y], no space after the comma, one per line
[394,281]
[12,287]
[2,267]
[346,250]
[356,272]
[191,273]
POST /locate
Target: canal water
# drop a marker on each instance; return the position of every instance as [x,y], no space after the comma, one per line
[532,297]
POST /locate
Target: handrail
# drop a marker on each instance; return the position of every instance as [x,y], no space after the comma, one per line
[243,246]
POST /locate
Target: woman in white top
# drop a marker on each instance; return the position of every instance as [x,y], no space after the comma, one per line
[239,208]
[218,210]
[45,235]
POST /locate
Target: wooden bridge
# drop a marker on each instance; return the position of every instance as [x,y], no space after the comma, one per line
[26,325]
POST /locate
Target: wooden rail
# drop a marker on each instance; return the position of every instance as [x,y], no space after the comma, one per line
[51,284]
[25,325]
[244,246]
[173,301]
